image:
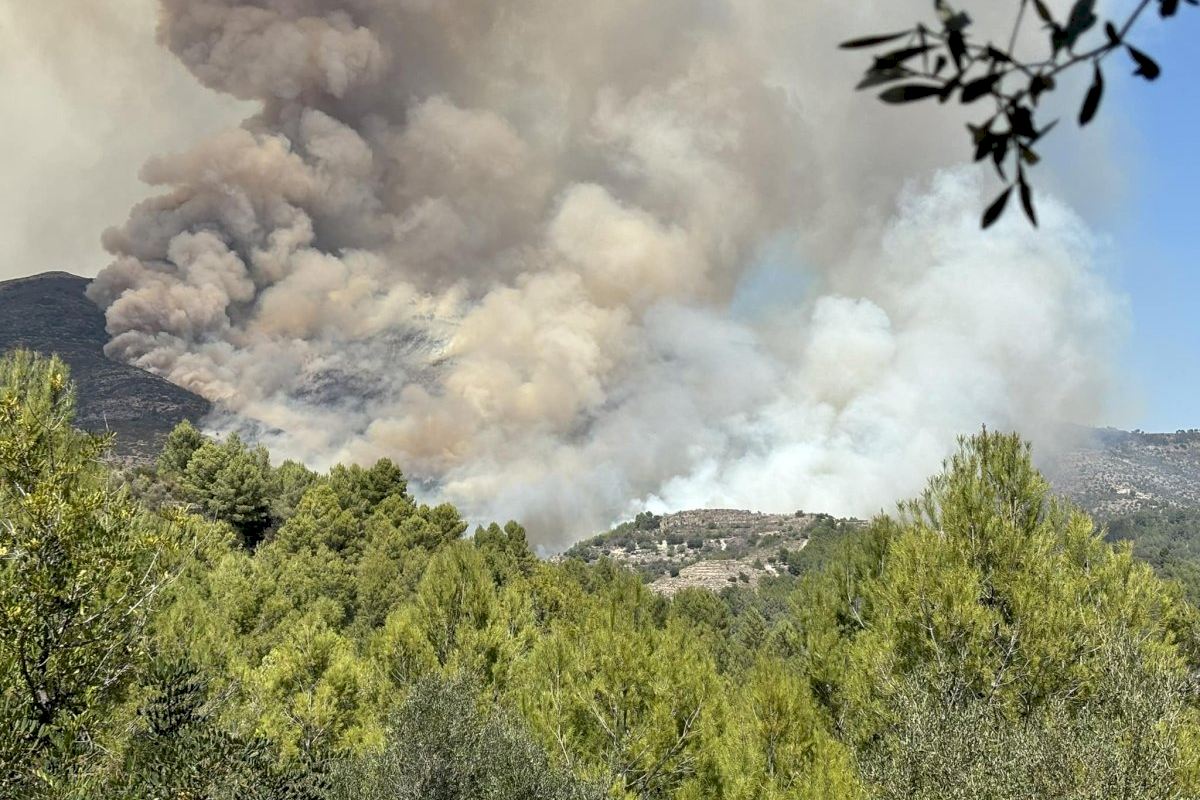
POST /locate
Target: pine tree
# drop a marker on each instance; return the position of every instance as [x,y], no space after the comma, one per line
[621,698]
[239,494]
[290,480]
[442,746]
[229,482]
[775,744]
[181,443]
[989,620]
[361,490]
[182,751]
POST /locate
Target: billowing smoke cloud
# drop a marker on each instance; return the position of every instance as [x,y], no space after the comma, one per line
[562,261]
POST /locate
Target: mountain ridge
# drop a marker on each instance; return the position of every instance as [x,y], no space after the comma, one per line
[48,313]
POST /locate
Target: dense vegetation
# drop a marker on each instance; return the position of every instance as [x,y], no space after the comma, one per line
[1167,538]
[218,627]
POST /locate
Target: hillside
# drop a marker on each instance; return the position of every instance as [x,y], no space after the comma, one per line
[1144,486]
[1111,472]
[715,548]
[49,313]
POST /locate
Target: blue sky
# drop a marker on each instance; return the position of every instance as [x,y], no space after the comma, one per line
[1156,228]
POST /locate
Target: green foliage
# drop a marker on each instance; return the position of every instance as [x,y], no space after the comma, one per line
[1128,741]
[180,751]
[621,694]
[827,538]
[989,599]
[985,641]
[289,483]
[774,744]
[362,489]
[507,550]
[442,746]
[647,521]
[314,696]
[230,482]
[1168,539]
[180,446]
[299,629]
[943,60]
[80,568]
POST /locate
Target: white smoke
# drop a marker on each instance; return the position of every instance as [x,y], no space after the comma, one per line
[561,261]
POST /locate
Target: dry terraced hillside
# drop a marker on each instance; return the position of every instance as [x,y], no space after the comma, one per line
[1112,472]
[714,548]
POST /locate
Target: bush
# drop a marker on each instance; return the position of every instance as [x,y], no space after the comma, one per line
[442,746]
[81,569]
[646,521]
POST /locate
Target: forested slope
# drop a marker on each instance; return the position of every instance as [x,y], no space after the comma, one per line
[222,627]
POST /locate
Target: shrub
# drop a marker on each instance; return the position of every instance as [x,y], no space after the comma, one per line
[442,746]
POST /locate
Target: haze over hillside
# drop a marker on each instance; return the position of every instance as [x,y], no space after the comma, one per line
[1111,472]
[1108,472]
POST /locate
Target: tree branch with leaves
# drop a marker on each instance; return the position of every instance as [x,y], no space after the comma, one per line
[943,61]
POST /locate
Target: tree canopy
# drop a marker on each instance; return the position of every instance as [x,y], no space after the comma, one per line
[983,641]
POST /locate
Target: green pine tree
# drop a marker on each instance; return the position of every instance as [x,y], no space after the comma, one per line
[181,443]
[231,483]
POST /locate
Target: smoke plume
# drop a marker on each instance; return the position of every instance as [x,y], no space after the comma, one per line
[562,261]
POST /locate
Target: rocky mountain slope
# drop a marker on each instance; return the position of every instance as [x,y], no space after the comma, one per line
[1111,472]
[49,313]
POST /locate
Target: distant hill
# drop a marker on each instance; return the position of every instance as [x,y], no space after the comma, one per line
[1144,486]
[715,548]
[1111,472]
[49,313]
